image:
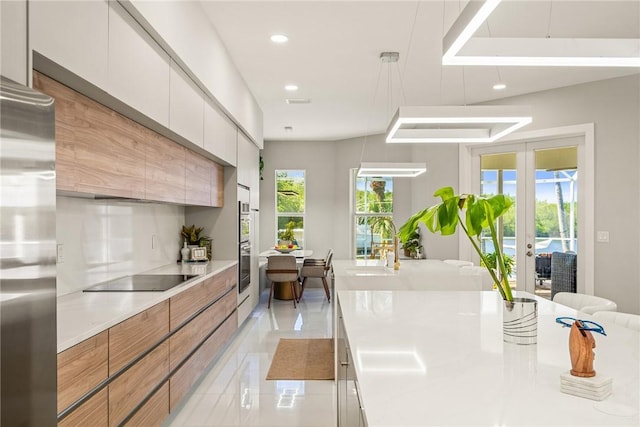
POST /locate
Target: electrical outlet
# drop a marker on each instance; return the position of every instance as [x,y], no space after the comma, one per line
[602,236]
[153,241]
[59,253]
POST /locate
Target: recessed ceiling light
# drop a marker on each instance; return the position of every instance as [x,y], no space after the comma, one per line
[279,38]
[291,88]
[499,86]
[288,129]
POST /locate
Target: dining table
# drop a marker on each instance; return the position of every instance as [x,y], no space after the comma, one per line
[281,290]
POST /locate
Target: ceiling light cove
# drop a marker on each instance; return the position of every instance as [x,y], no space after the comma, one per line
[291,88]
[399,170]
[459,47]
[456,124]
[279,38]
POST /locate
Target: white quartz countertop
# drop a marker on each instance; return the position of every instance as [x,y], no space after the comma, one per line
[81,315]
[437,358]
[425,274]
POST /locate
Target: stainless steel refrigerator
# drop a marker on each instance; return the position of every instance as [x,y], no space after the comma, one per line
[27,257]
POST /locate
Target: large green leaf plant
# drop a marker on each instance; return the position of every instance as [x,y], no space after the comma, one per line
[480,213]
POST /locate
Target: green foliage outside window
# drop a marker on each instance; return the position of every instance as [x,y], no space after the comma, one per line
[290,191]
[290,205]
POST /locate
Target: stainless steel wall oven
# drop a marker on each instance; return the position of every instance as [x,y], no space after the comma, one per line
[244,239]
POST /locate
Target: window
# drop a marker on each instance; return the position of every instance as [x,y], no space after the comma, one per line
[372,200]
[290,202]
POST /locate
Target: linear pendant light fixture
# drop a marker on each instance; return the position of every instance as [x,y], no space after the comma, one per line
[456,124]
[461,48]
[400,170]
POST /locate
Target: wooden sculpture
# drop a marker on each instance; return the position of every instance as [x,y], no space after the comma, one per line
[581,345]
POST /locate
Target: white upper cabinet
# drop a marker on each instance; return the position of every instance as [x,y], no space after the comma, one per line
[139,70]
[248,170]
[186,107]
[220,135]
[74,34]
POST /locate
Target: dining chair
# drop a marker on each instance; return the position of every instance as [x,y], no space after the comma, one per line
[563,272]
[282,269]
[627,320]
[319,268]
[585,303]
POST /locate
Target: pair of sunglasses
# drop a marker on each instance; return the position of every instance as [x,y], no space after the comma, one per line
[583,325]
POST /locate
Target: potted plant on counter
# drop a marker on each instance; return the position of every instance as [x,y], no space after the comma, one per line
[475,213]
[411,245]
[191,235]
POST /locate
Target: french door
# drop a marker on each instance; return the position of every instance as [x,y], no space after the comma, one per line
[545,176]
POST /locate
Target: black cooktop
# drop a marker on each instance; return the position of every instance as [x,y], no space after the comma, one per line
[141,283]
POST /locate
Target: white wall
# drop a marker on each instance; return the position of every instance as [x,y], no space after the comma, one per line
[105,239]
[327,165]
[614,106]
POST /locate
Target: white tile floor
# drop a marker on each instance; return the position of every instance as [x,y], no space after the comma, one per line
[235,393]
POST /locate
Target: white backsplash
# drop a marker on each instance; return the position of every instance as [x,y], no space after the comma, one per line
[106,239]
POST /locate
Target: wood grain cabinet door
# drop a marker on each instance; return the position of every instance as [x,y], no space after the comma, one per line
[81,368]
[130,338]
[128,390]
[94,412]
[198,179]
[97,150]
[165,171]
[188,374]
[217,184]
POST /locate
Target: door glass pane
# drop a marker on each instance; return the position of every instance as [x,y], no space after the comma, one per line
[499,176]
[556,209]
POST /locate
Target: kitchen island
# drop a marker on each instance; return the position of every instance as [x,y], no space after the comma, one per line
[418,358]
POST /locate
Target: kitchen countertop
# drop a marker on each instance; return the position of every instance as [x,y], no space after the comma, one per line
[437,358]
[81,315]
[421,274]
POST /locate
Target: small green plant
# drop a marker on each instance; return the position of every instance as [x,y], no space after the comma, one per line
[490,261]
[412,242]
[287,234]
[192,235]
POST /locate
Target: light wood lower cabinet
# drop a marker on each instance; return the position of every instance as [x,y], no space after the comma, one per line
[186,303]
[183,379]
[154,411]
[132,337]
[81,368]
[139,355]
[94,412]
[190,336]
[129,389]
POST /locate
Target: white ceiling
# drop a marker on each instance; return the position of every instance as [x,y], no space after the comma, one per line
[334,46]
